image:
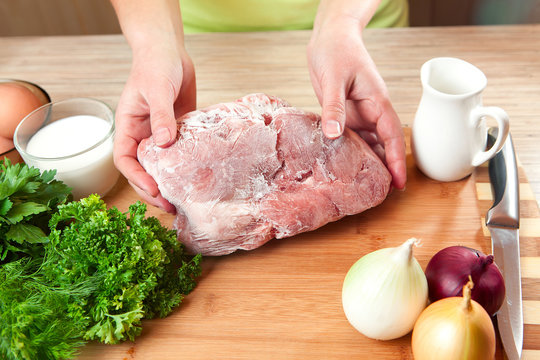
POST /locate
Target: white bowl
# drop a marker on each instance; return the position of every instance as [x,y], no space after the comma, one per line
[81,156]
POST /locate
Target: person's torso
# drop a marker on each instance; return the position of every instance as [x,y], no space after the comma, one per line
[259,15]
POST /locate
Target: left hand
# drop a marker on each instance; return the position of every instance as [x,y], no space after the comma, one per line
[352,93]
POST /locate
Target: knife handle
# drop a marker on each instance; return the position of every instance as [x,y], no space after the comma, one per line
[503,175]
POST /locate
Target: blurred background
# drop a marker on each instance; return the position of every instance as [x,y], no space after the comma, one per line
[473,12]
[79,17]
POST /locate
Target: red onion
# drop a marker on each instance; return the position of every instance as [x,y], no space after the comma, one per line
[449,269]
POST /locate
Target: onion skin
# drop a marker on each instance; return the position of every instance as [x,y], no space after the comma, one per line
[448,271]
[384,292]
[454,328]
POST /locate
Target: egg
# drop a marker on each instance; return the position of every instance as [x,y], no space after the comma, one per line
[7,150]
[17,99]
[5,145]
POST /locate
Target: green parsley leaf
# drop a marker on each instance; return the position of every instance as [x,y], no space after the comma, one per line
[28,199]
[140,268]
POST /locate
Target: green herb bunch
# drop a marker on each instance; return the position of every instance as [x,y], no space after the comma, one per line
[134,259]
[33,318]
[77,271]
[27,200]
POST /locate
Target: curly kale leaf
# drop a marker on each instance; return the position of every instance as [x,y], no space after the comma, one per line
[141,269]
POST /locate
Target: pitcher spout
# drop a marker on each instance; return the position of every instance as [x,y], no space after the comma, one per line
[445,76]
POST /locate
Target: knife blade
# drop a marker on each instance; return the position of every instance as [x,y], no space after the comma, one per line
[502,220]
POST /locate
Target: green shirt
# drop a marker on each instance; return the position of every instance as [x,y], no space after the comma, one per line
[260,15]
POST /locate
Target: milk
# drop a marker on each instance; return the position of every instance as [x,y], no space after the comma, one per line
[68,136]
[80,148]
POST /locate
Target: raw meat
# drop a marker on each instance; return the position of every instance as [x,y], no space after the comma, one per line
[242,173]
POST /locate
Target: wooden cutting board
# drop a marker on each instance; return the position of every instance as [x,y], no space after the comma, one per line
[283,300]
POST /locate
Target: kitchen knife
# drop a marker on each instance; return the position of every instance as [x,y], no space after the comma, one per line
[502,221]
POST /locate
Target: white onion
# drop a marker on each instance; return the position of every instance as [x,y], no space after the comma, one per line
[384,292]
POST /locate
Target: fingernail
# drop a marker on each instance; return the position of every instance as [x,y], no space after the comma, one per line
[162,136]
[333,129]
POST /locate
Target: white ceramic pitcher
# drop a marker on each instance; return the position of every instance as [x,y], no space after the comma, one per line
[449,133]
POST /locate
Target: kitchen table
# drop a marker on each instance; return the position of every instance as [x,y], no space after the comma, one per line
[283,300]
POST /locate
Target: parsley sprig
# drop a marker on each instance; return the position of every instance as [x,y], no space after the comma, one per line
[27,200]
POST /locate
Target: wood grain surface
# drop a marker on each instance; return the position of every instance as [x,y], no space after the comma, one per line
[283,301]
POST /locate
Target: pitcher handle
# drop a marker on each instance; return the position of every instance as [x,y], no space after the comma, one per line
[503,124]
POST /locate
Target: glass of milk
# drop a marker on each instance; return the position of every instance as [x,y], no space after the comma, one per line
[75,137]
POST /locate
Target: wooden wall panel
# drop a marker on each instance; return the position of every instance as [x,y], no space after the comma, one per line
[57,17]
[473,12]
[80,17]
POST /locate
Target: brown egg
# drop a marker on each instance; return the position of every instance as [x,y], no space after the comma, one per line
[5,145]
[17,99]
[7,150]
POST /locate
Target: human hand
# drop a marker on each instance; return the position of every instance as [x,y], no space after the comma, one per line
[353,94]
[160,88]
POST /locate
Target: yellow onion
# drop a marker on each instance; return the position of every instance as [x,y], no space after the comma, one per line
[454,328]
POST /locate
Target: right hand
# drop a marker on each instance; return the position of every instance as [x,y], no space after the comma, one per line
[349,87]
[160,88]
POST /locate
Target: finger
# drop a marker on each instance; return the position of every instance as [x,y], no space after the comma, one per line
[369,137]
[162,120]
[125,160]
[333,110]
[187,99]
[387,132]
[186,103]
[390,133]
[157,201]
[373,141]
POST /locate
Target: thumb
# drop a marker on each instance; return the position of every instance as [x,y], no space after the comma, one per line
[162,121]
[333,112]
